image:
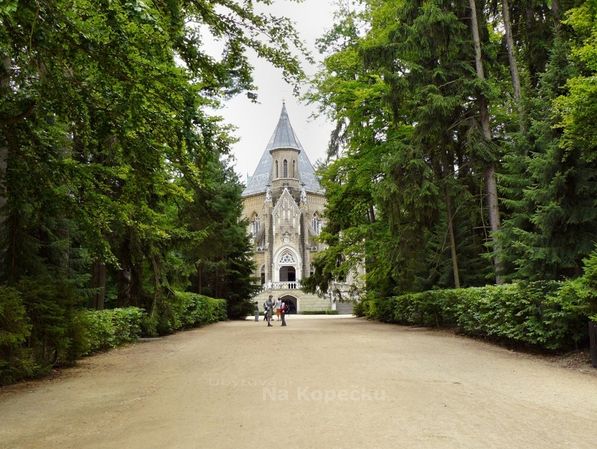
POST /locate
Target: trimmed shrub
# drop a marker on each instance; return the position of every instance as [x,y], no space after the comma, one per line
[183,310]
[366,307]
[199,310]
[431,308]
[99,330]
[550,315]
[319,312]
[565,317]
[41,327]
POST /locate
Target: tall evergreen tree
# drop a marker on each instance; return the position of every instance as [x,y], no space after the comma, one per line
[424,124]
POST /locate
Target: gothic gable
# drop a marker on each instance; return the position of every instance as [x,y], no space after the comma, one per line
[287,218]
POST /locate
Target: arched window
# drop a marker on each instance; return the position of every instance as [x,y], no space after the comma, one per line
[316,223]
[262,275]
[285,168]
[255,225]
[277,173]
[294,169]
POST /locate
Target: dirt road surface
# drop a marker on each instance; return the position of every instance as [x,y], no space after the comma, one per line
[318,383]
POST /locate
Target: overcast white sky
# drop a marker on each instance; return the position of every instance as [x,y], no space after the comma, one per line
[256,121]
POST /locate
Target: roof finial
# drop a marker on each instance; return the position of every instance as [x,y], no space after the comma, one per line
[283,113]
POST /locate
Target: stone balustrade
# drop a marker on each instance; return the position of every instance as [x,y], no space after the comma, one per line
[287,285]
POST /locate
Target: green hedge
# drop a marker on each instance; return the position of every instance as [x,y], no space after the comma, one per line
[183,310]
[549,315]
[319,312]
[89,331]
[99,330]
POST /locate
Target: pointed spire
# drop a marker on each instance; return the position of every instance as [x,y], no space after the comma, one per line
[284,136]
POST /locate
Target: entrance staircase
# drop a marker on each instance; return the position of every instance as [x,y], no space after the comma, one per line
[306,302]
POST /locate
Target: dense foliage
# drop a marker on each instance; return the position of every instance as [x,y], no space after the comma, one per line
[187,310]
[105,329]
[465,151]
[115,180]
[544,314]
[95,330]
[15,329]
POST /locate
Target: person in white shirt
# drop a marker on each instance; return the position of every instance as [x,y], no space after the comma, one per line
[283,310]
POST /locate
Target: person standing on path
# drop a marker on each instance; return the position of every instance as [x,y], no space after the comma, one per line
[268,306]
[256,311]
[283,310]
[278,308]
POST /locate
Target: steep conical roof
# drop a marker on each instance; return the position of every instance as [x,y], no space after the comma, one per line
[283,137]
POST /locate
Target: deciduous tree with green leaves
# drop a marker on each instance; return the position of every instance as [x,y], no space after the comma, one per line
[107,142]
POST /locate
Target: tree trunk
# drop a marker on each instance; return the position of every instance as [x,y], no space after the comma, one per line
[138,295]
[157,283]
[515,74]
[124,287]
[371,214]
[490,181]
[11,225]
[4,90]
[494,220]
[476,39]
[453,252]
[125,275]
[555,10]
[3,193]
[98,281]
[511,54]
[200,278]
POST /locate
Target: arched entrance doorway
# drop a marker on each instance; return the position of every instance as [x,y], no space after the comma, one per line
[292,303]
[287,266]
[287,274]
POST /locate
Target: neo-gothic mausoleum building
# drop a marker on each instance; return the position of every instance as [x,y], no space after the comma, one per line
[284,204]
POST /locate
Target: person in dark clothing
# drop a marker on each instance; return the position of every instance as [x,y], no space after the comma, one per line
[269,307]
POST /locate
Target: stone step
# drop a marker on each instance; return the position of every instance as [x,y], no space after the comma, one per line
[306,302]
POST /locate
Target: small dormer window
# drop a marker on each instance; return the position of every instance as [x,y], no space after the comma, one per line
[285,168]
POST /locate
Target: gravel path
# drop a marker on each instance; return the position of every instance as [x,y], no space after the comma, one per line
[318,383]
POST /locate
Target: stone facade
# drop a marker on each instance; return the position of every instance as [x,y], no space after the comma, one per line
[284,204]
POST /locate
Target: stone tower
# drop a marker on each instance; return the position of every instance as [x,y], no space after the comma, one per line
[284,204]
